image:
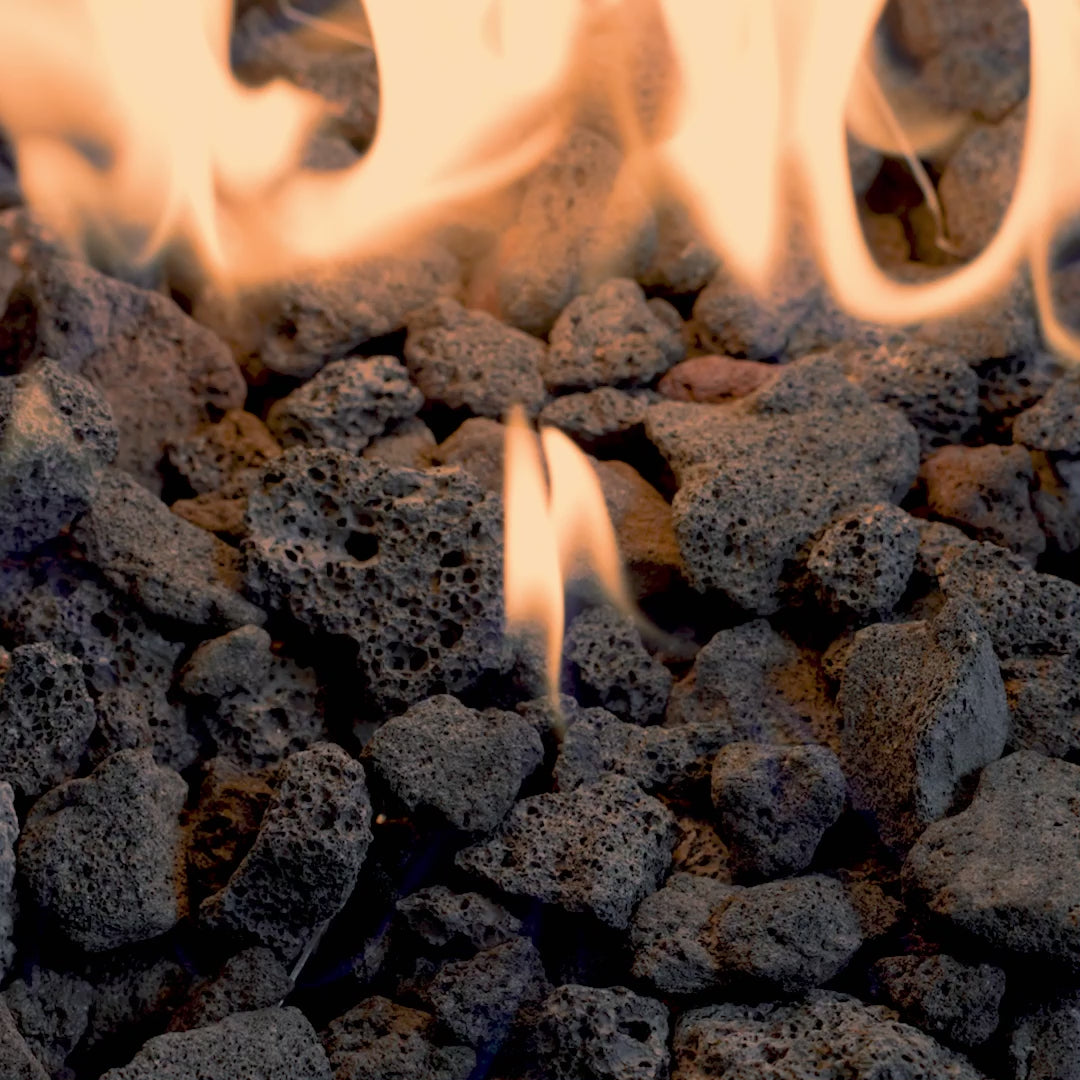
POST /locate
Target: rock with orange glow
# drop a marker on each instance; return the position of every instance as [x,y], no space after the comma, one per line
[684,261]
[408,444]
[477,446]
[599,419]
[714,378]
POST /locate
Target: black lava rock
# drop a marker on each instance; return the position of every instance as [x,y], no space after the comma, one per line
[457,922]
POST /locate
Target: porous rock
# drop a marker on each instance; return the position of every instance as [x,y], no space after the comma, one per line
[600,848]
[1004,871]
[924,709]
[714,378]
[346,404]
[477,446]
[51,1009]
[406,563]
[46,717]
[775,803]
[218,456]
[306,857]
[461,767]
[457,922]
[683,261]
[1056,500]
[272,1044]
[1043,1042]
[1053,423]
[597,419]
[9,835]
[599,1033]
[56,436]
[407,444]
[1044,699]
[1011,385]
[17,1057]
[100,855]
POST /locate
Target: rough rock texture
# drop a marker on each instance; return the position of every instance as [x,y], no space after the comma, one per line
[457,921]
[683,261]
[824,1036]
[46,717]
[51,1009]
[924,708]
[56,436]
[600,848]
[945,997]
[224,456]
[100,855]
[346,404]
[863,561]
[1004,870]
[1011,385]
[407,564]
[1044,1040]
[9,835]
[477,446]
[1053,424]
[272,1044]
[1056,500]
[407,444]
[775,804]
[759,479]
[471,360]
[612,337]
[381,1040]
[461,767]
[306,858]
[596,419]
[596,1033]
[17,1057]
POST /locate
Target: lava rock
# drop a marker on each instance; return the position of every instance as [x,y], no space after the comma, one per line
[408,444]
[166,565]
[51,1010]
[1053,424]
[775,804]
[987,490]
[863,561]
[407,564]
[1043,692]
[1004,871]
[1056,500]
[56,436]
[306,858]
[714,379]
[759,479]
[612,337]
[1011,385]
[346,404]
[943,996]
[610,667]
[18,1059]
[671,934]
[457,922]
[100,855]
[272,1044]
[46,717]
[683,261]
[599,1033]
[1043,1042]
[477,446]
[461,767]
[823,1035]
[924,709]
[700,850]
[221,456]
[9,835]
[470,360]
[600,849]
[378,1039]
[597,419]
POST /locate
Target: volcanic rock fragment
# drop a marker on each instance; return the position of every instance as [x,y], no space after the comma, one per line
[17,1057]
[408,444]
[51,1009]
[1053,424]
[100,855]
[1011,385]
[714,378]
[477,446]
[598,419]
[683,261]
[1056,500]
[1044,1040]
[9,834]
[453,921]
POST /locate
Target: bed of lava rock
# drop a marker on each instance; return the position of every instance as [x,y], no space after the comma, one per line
[278,796]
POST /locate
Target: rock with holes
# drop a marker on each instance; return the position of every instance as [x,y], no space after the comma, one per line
[407,564]
[1056,500]
[9,835]
[46,717]
[17,1057]
[1044,699]
[598,419]
[346,404]
[612,337]
[775,803]
[987,491]
[52,1010]
[56,437]
[457,922]
[1053,424]
[453,765]
[1011,385]
[101,855]
[220,456]
[822,1036]
[599,1033]
[470,360]
[306,857]
[923,710]
[599,849]
[863,561]
[1042,1045]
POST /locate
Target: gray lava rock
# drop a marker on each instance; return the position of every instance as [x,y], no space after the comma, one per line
[56,436]
[453,921]
[46,717]
[379,1039]
[1005,869]
[715,379]
[683,262]
[612,336]
[823,1036]
[51,1009]
[272,1044]
[600,848]
[1056,500]
[597,419]
[101,855]
[671,938]
[987,490]
[462,767]
[346,404]
[1053,424]
[408,444]
[470,360]
[223,456]
[863,561]
[945,997]
[759,479]
[15,1055]
[1044,699]
[924,709]
[599,1033]
[610,667]
[477,446]
[406,563]
[1044,1040]
[306,858]
[165,564]
[9,835]
[1011,385]
[775,804]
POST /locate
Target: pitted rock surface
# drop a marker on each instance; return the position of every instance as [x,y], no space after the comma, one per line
[1053,424]
[406,563]
[16,1055]
[457,922]
[1043,1042]
[595,419]
[52,1010]
[9,835]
